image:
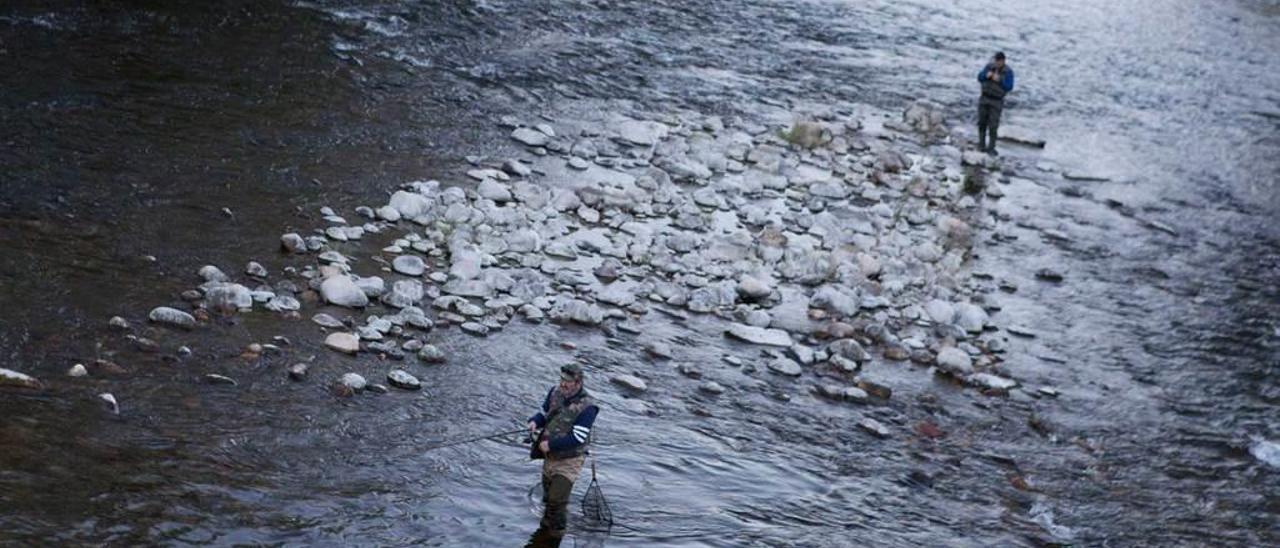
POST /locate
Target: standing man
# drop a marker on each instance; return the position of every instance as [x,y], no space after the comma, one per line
[996,79]
[565,420]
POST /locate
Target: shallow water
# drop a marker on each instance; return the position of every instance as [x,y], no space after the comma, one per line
[132,128]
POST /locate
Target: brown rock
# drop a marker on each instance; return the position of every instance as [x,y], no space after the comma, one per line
[929,430]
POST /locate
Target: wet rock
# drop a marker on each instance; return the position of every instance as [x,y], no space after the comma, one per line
[802,354]
[404,293]
[993,382]
[118,323]
[1267,452]
[410,204]
[924,117]
[530,137]
[874,427]
[109,401]
[754,289]
[940,311]
[228,297]
[212,273]
[492,190]
[659,349]
[353,381]
[474,328]
[576,311]
[516,167]
[77,370]
[630,382]
[144,344]
[954,361]
[172,316]
[403,380]
[848,349]
[431,354]
[293,243]
[409,265]
[711,387]
[835,301]
[643,133]
[343,291]
[759,335]
[785,366]
[389,214]
[325,320]
[758,318]
[298,371]
[1050,275]
[255,269]
[347,343]
[13,379]
[283,303]
[971,317]
[213,378]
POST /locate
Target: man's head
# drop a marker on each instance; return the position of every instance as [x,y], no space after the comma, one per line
[998,60]
[570,378]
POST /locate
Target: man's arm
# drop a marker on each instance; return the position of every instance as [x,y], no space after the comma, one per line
[539,419]
[1007,84]
[982,74]
[581,431]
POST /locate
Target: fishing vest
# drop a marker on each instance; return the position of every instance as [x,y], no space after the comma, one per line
[993,89]
[561,416]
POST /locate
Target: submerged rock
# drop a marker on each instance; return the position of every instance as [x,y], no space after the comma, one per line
[955,361]
[409,265]
[343,291]
[13,379]
[172,316]
[785,366]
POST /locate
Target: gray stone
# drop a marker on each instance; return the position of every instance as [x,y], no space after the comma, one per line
[293,243]
[172,316]
[404,293]
[347,343]
[848,349]
[212,273]
[354,381]
[228,296]
[971,317]
[530,137]
[403,380]
[940,311]
[283,303]
[955,361]
[630,382]
[255,269]
[77,370]
[759,335]
[410,204]
[785,366]
[431,354]
[711,387]
[753,288]
[987,380]
[116,322]
[874,427]
[493,190]
[342,291]
[325,320]
[474,328]
[409,265]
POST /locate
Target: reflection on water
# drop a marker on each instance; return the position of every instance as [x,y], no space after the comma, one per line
[134,127]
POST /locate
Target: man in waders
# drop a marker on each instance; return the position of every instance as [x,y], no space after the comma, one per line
[565,421]
[996,79]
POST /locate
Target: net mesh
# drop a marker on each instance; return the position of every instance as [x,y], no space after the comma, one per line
[595,509]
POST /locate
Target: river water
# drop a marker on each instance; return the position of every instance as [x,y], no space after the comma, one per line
[129,128]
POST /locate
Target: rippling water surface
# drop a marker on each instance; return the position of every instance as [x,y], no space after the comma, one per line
[129,127]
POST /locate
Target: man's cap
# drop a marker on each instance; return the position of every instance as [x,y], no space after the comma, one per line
[999,55]
[571,372]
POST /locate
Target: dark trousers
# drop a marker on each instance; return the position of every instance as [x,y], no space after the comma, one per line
[988,121]
[555,495]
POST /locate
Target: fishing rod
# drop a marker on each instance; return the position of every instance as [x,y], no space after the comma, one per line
[474,439]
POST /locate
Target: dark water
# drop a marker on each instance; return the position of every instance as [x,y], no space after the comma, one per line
[127,128]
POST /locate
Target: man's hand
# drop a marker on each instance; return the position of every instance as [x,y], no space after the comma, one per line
[545,447]
[991,75]
[533,428]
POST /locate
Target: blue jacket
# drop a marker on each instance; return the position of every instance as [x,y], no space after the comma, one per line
[1006,82]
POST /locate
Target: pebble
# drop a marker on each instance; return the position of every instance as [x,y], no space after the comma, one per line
[711,387]
[659,349]
[874,427]
[343,342]
[409,265]
[255,269]
[116,322]
[431,354]
[77,370]
[172,316]
[298,371]
[325,320]
[353,381]
[759,335]
[630,382]
[955,361]
[403,380]
[785,366]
